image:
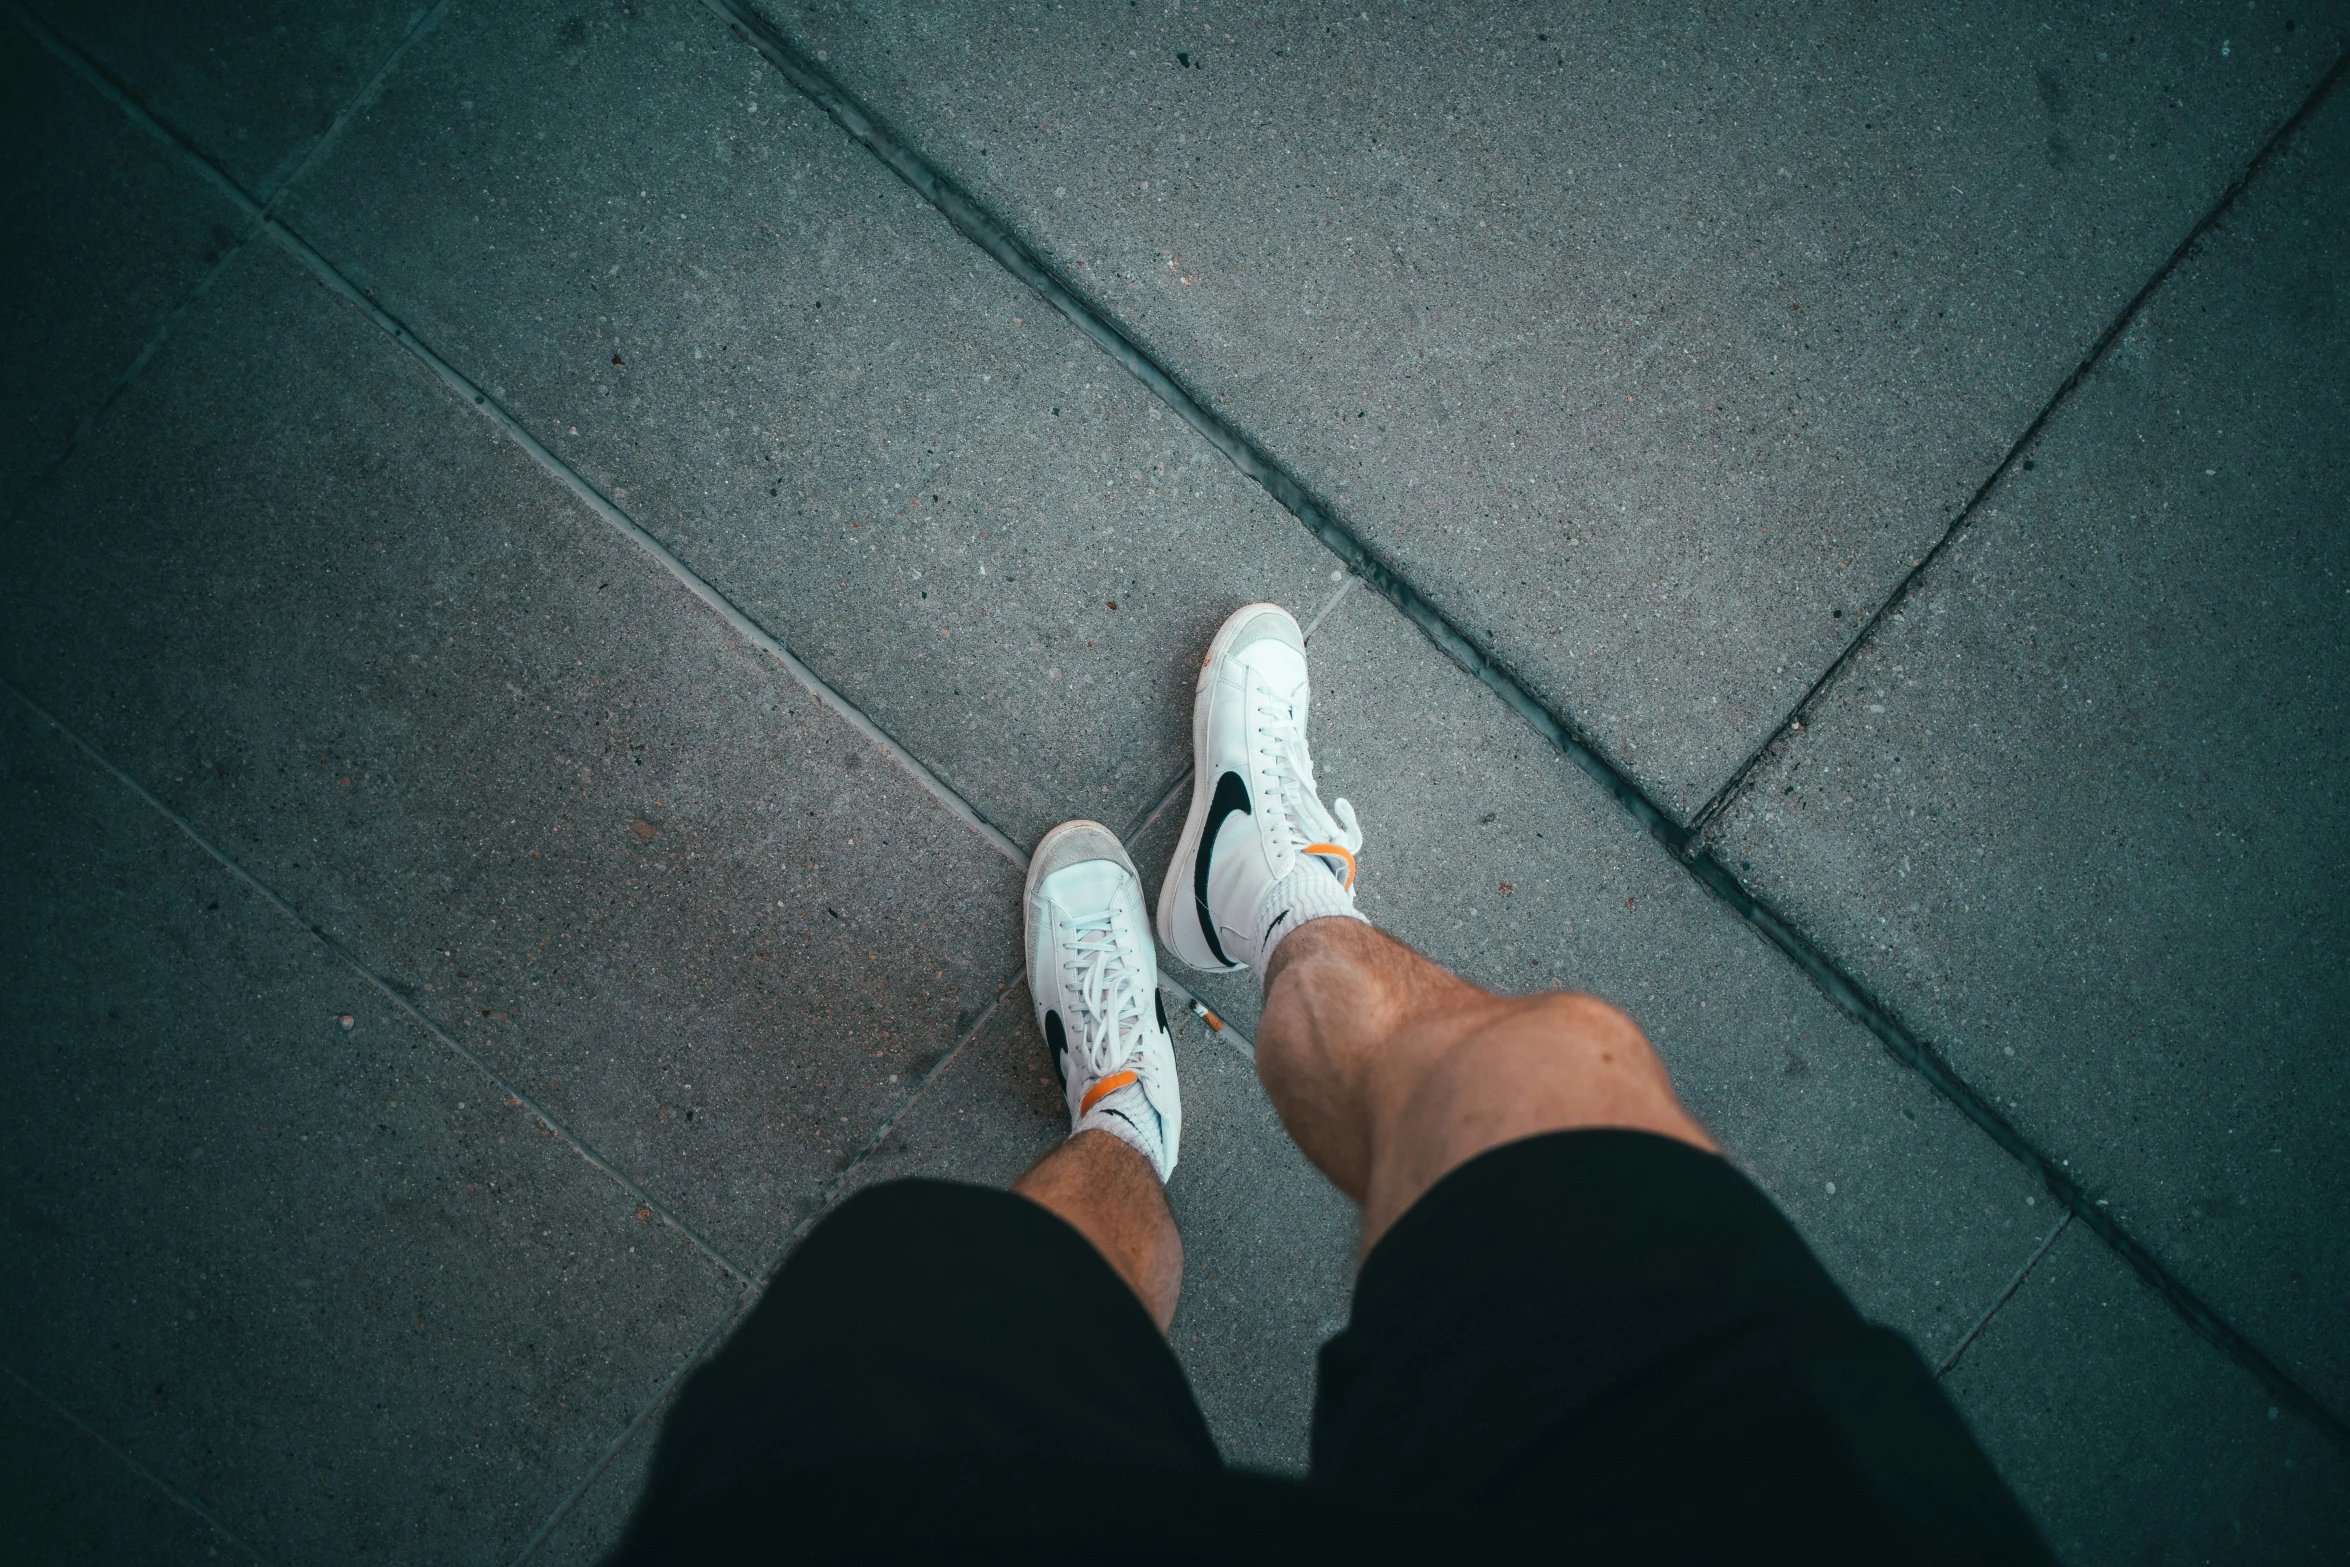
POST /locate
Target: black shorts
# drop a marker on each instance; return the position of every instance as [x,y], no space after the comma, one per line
[1588,1347]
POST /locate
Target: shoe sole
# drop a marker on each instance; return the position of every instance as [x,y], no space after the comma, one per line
[1177,914]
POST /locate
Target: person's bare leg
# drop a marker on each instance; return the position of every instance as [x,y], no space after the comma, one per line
[1389,1071]
[1113,1197]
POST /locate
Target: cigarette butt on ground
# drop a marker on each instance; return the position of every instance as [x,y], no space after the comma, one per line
[1204,1015]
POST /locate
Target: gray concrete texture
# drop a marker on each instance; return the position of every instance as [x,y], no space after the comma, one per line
[66,1497]
[797,376]
[254,85]
[106,235]
[2086,1383]
[2077,811]
[1657,344]
[315,1273]
[604,856]
[357,640]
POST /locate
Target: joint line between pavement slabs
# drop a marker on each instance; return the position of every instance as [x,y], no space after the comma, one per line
[133,1465]
[832,1188]
[514,1097]
[363,99]
[751,1296]
[594,499]
[325,272]
[113,92]
[1792,724]
[1017,980]
[2003,1297]
[990,234]
[95,78]
[685,1365]
[881,1134]
[757,1288]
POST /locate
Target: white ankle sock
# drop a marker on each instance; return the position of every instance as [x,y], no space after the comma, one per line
[1124,1114]
[1311,891]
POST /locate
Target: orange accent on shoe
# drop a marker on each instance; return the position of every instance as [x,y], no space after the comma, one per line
[1106,1087]
[1342,853]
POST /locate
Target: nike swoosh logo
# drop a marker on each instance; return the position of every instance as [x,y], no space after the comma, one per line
[1058,1037]
[1231,795]
[1268,936]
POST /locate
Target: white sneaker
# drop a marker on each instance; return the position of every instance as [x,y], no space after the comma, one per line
[1095,979]
[1260,855]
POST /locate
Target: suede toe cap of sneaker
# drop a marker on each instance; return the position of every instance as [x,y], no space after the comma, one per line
[1076,843]
[1270,623]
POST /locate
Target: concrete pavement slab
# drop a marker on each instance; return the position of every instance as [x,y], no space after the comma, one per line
[988,1116]
[106,234]
[1486,850]
[2130,1439]
[2076,814]
[359,640]
[688,283]
[1268,1244]
[66,1499]
[1656,344]
[273,1240]
[253,83]
[593,1524]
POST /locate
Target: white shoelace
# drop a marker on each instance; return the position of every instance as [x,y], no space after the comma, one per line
[1296,812]
[1113,1000]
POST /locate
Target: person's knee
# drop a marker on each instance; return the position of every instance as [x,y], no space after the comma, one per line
[1578,1019]
[1563,1056]
[1570,1023]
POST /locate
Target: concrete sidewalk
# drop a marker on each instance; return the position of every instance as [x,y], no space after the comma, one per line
[550,591]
